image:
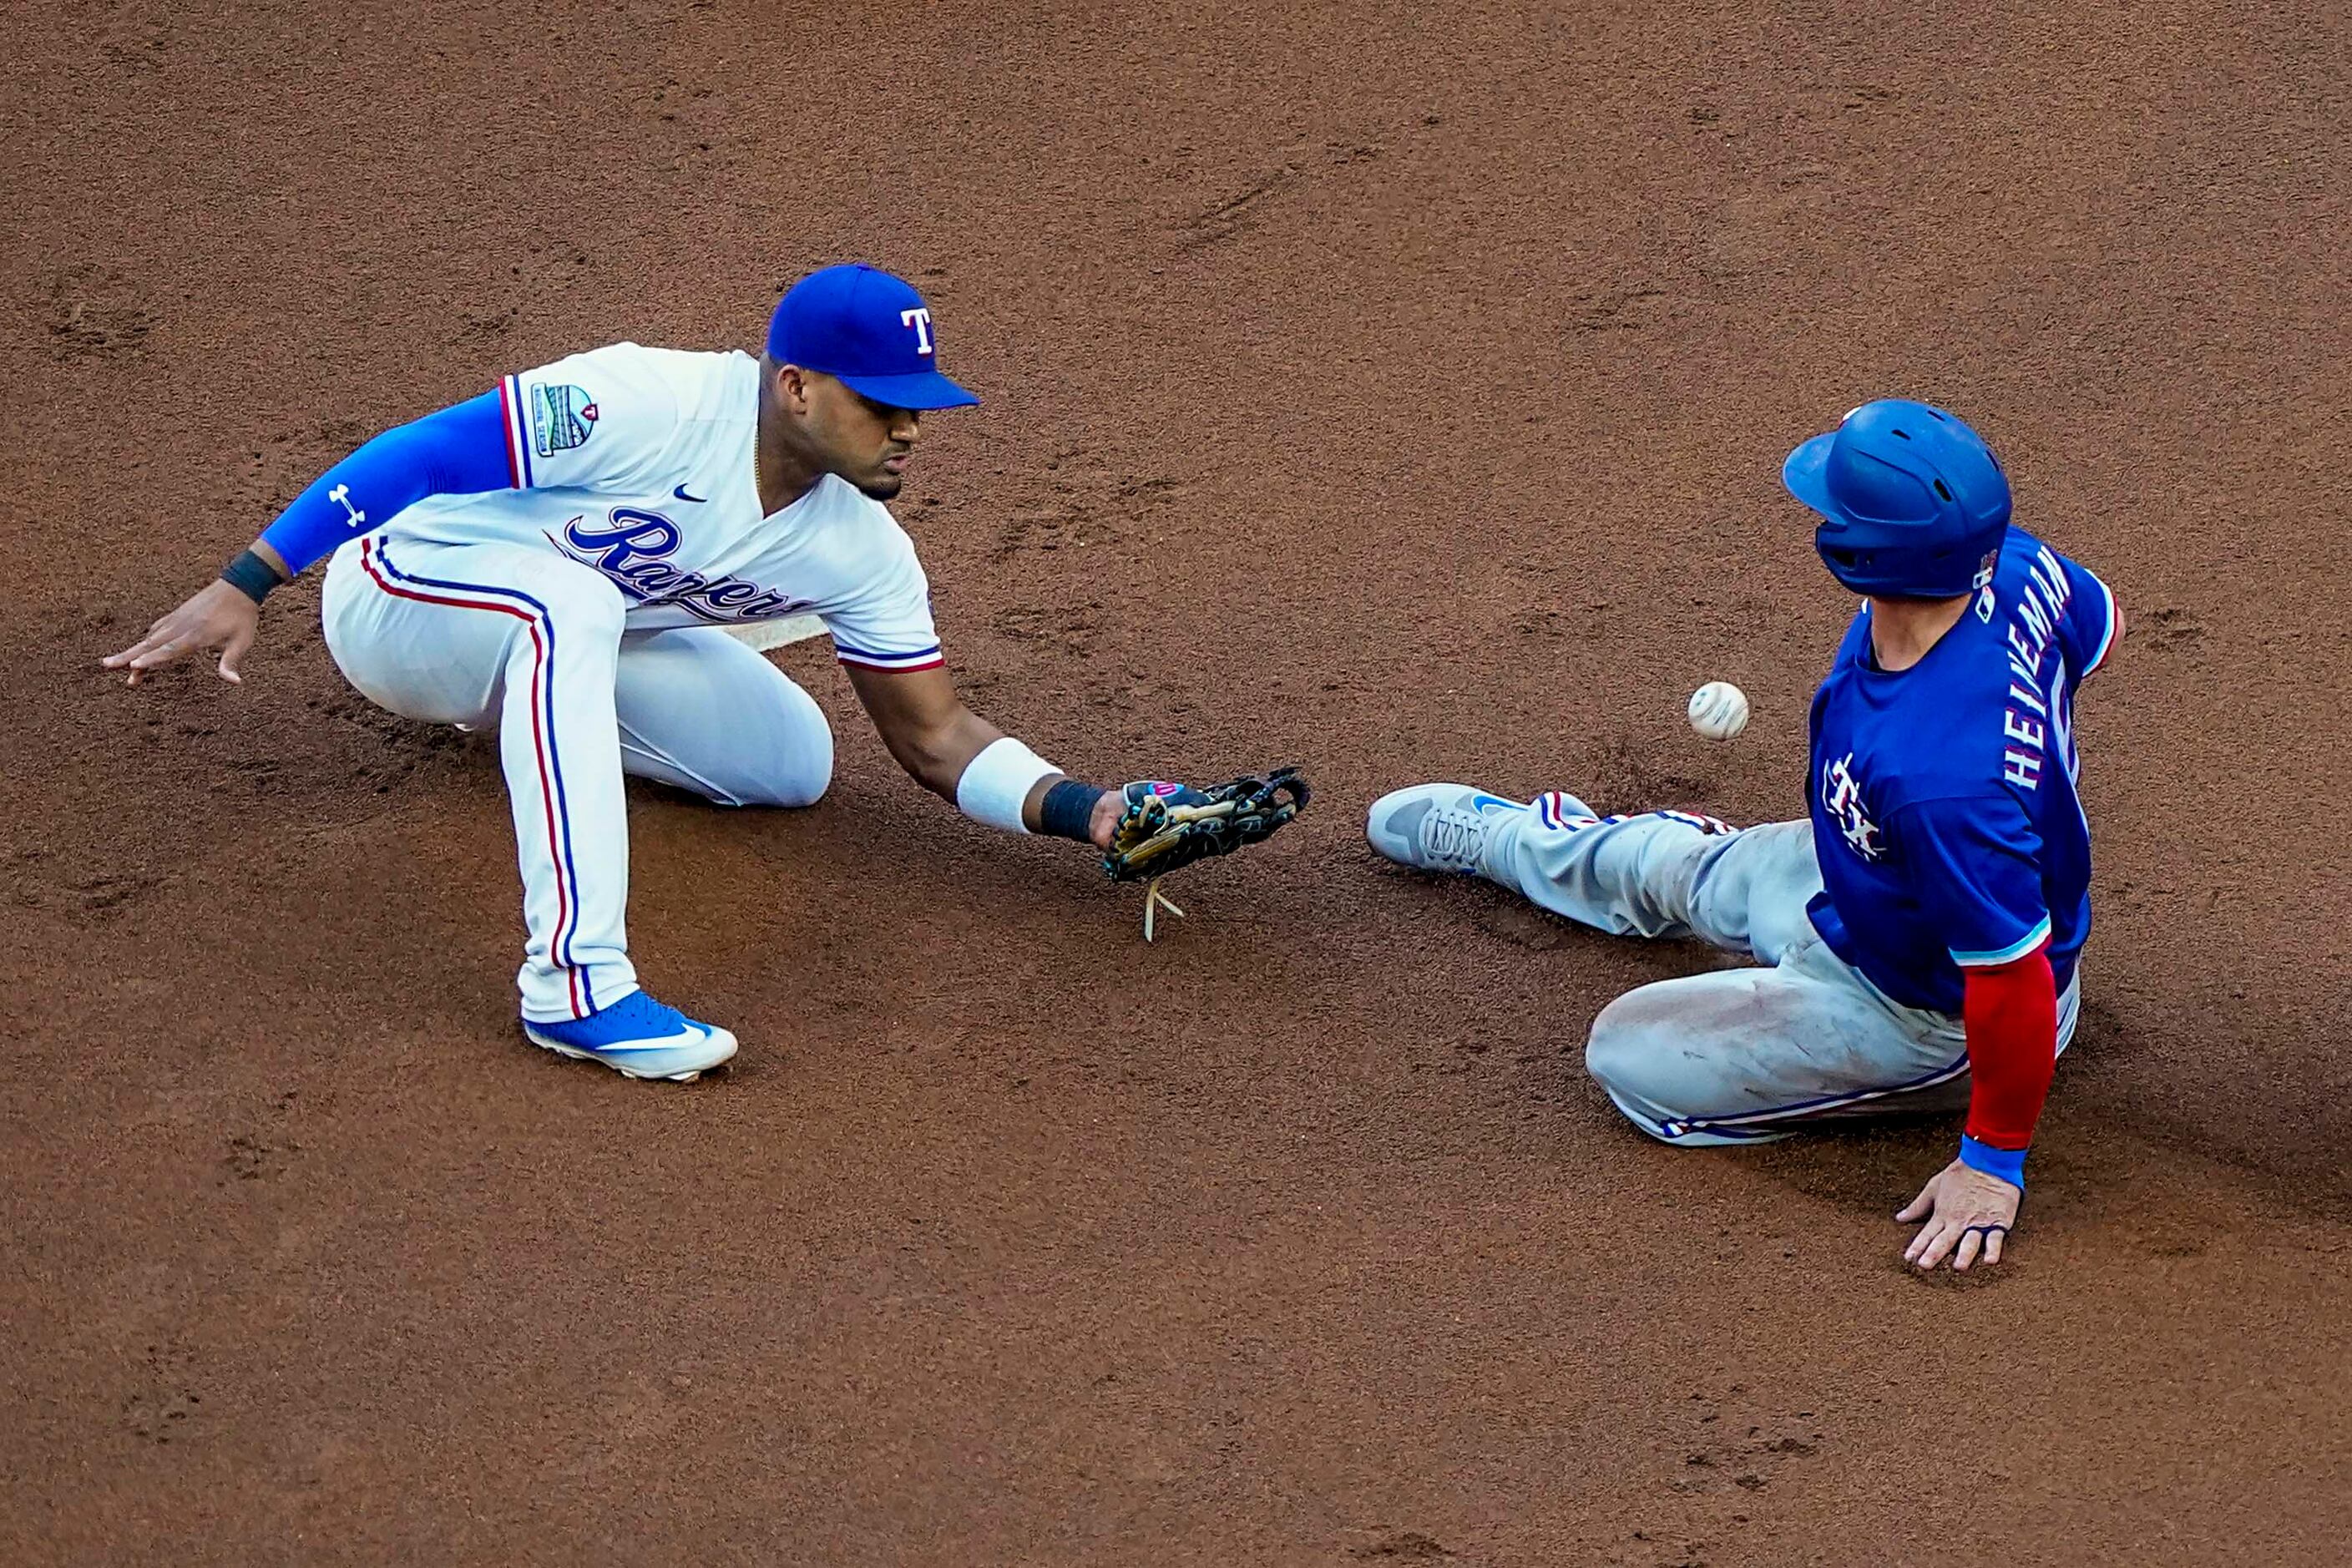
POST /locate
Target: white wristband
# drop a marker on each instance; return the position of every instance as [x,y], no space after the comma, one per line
[996,784]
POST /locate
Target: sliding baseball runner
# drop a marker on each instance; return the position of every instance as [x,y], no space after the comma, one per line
[1918,933]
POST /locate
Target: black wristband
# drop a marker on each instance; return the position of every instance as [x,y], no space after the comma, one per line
[251,575]
[1068,810]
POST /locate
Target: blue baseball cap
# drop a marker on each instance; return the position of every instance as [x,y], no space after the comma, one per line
[869,329]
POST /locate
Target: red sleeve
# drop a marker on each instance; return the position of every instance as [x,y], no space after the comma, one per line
[2011,1014]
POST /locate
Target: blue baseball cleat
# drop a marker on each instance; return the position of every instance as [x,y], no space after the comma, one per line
[1435,826]
[639,1037]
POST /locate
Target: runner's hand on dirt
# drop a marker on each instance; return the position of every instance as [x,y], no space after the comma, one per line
[219,616]
[1966,1213]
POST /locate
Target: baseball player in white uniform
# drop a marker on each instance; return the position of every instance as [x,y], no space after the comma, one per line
[559,559]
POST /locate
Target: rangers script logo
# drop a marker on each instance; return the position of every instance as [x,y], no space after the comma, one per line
[633,548]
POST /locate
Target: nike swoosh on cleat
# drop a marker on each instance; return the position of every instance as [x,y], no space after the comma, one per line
[680,494]
[668,1043]
[1480,802]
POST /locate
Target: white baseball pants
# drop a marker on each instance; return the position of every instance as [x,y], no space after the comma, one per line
[524,641]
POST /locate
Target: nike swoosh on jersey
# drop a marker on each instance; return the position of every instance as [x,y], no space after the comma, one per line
[680,494]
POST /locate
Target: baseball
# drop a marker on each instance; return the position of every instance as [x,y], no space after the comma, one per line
[1719,711]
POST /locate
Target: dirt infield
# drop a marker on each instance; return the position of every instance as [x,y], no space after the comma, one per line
[1438,362]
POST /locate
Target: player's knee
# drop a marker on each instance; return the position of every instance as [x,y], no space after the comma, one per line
[1628,1056]
[1634,1049]
[584,603]
[1611,1051]
[795,769]
[803,778]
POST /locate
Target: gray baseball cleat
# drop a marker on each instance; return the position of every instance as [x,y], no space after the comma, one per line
[1436,827]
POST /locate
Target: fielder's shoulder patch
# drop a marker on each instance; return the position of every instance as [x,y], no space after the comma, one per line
[561,417]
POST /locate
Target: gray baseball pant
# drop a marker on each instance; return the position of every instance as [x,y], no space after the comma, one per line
[1741,1054]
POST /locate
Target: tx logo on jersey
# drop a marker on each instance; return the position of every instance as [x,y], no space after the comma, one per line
[1841,798]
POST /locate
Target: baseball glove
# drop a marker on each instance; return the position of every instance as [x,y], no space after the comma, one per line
[1167,827]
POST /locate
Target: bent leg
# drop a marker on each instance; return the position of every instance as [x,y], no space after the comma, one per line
[1660,874]
[703,711]
[1741,1056]
[505,634]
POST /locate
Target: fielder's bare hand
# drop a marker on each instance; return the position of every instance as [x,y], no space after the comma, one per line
[1968,1216]
[1102,823]
[218,616]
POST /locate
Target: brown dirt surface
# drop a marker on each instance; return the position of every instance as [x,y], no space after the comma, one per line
[1431,365]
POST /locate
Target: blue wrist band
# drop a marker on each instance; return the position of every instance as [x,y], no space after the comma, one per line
[1068,810]
[2009,1165]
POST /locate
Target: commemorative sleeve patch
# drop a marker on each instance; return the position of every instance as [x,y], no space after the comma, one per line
[561,417]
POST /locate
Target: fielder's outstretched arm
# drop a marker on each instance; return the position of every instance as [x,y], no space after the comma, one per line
[460,450]
[956,754]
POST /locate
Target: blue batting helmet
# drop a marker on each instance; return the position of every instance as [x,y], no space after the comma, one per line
[1912,500]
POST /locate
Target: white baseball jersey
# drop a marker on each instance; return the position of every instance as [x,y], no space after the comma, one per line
[637,462]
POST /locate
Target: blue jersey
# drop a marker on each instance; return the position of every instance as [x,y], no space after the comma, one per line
[1942,796]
